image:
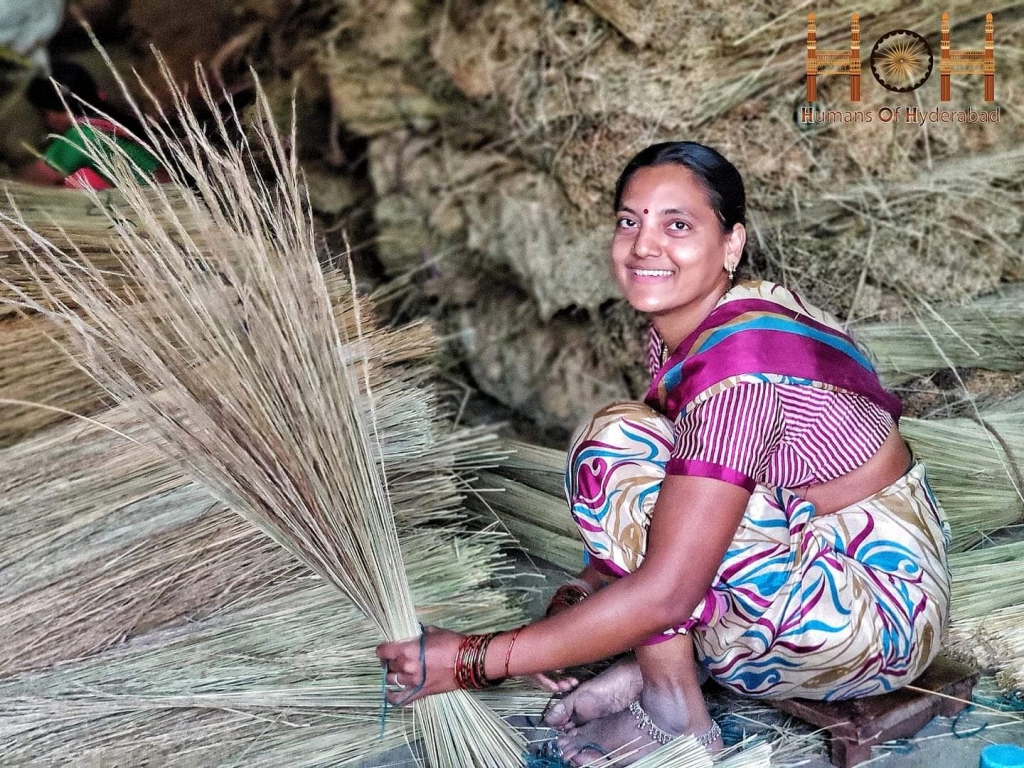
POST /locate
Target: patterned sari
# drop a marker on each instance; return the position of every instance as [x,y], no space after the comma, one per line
[847,604]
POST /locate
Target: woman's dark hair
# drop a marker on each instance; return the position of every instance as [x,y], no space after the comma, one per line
[721,180]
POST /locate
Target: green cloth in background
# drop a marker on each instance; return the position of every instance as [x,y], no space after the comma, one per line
[67,153]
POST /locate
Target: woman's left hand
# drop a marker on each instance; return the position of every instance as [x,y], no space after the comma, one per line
[406,670]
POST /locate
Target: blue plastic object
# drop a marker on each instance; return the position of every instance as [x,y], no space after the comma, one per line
[1002,756]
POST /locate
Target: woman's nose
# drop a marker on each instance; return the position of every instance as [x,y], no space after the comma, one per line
[646,243]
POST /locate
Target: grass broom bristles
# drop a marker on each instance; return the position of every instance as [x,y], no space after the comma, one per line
[298,651]
[753,756]
[256,401]
[35,369]
[986,333]
[194,570]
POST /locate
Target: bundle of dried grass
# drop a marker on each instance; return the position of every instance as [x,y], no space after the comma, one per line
[54,213]
[255,398]
[189,572]
[80,491]
[757,755]
[35,371]
[974,467]
[983,334]
[296,657]
[538,519]
[40,383]
[986,611]
[102,735]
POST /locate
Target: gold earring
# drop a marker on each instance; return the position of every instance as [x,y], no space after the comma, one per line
[732,272]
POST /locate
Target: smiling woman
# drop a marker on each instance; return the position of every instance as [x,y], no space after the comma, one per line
[758,518]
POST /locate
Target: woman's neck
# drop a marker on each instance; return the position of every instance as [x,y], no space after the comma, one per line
[676,325]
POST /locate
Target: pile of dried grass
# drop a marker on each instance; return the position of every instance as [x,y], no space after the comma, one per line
[253,680]
[850,215]
[985,333]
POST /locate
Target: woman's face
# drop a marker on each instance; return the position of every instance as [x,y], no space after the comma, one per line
[669,251]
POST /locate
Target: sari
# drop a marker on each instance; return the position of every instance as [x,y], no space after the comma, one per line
[849,604]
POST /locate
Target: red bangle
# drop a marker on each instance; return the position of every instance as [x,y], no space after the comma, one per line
[567,595]
[469,662]
[508,653]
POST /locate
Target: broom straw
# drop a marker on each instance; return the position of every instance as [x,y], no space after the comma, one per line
[297,651]
[74,493]
[273,430]
[987,334]
[35,369]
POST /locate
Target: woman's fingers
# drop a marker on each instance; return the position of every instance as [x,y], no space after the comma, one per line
[553,684]
[420,666]
[398,648]
[546,683]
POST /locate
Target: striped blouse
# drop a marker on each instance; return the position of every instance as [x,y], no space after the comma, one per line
[778,434]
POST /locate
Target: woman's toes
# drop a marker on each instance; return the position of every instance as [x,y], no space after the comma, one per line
[557,715]
[566,745]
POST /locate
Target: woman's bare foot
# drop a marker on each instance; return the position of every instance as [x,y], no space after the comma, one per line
[608,693]
[618,736]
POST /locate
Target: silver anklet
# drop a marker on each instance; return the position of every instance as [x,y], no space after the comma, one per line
[659,736]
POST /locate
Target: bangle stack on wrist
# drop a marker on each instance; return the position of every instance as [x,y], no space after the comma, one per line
[569,594]
[469,662]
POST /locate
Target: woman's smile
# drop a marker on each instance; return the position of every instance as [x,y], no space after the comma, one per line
[647,275]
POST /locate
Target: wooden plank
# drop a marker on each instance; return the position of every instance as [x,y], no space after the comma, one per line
[855,726]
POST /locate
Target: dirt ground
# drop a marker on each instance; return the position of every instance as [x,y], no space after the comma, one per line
[936,746]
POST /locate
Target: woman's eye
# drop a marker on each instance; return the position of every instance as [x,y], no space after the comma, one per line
[679,226]
[624,222]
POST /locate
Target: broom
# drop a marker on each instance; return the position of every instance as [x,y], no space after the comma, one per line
[296,650]
[256,400]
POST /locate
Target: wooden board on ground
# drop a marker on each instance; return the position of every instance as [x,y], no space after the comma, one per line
[855,726]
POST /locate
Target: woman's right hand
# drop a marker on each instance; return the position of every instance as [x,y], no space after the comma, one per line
[552,683]
[566,596]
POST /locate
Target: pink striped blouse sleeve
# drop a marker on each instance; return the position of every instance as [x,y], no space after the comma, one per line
[731,435]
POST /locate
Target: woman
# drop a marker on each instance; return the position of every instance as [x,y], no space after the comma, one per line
[759,519]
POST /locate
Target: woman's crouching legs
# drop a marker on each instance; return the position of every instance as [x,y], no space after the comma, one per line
[670,698]
[616,464]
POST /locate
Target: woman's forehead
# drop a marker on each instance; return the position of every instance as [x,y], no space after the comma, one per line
[670,187]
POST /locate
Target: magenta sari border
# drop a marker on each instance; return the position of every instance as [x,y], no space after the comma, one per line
[808,360]
[661,637]
[607,567]
[723,313]
[701,468]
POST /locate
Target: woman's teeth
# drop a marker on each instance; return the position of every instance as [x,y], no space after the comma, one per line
[652,272]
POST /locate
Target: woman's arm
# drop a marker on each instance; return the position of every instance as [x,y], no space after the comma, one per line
[693,522]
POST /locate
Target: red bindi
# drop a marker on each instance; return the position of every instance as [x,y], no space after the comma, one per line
[645,210]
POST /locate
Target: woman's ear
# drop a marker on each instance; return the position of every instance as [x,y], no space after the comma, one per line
[734,243]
